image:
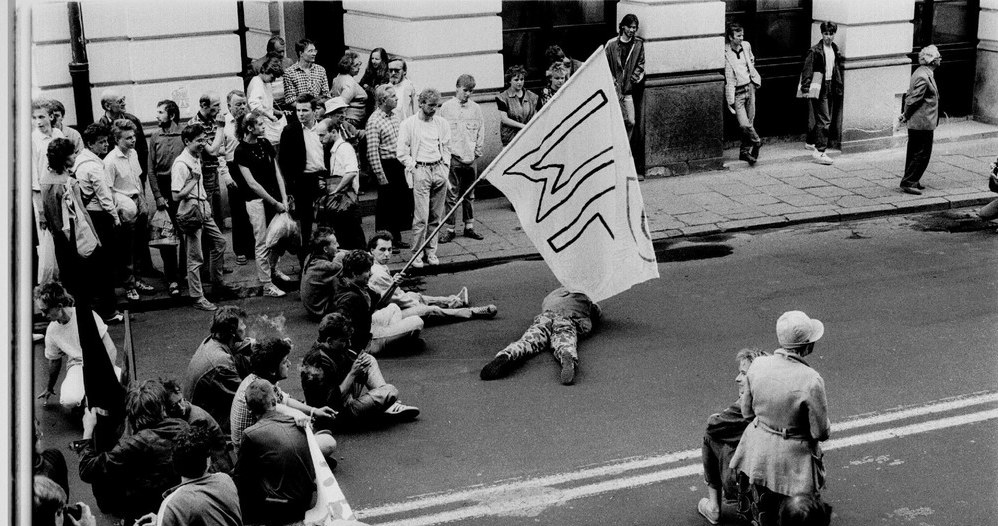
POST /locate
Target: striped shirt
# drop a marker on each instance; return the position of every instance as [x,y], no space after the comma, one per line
[382,139]
[298,81]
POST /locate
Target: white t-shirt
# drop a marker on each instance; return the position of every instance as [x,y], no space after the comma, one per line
[829,62]
[184,166]
[343,160]
[64,340]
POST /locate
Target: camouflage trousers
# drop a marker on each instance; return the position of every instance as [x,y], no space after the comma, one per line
[549,329]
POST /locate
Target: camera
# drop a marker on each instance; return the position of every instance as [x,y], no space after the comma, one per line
[72,510]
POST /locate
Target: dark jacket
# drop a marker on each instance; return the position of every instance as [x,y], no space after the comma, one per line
[815,61]
[727,426]
[291,157]
[141,147]
[213,376]
[921,103]
[318,284]
[138,470]
[210,500]
[274,474]
[322,371]
[630,74]
[358,304]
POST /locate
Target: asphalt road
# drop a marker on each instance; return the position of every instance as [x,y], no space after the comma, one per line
[910,316]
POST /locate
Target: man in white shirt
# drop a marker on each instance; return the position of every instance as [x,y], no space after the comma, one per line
[467,141]
[41,136]
[423,150]
[405,91]
[302,164]
[123,171]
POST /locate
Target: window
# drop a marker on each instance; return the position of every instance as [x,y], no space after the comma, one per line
[952,26]
[529,27]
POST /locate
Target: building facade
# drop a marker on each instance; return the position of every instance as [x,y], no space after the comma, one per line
[181,49]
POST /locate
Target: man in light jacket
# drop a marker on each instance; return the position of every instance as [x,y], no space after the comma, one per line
[921,114]
[740,82]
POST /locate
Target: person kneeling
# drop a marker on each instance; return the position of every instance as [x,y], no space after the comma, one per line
[350,383]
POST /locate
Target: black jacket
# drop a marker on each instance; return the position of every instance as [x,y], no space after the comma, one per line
[815,61]
[274,474]
[359,304]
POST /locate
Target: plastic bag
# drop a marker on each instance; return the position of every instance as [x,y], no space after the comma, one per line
[161,232]
[283,233]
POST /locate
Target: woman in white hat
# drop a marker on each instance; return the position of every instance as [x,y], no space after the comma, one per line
[785,400]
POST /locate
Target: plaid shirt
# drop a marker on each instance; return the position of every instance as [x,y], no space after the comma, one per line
[240,417]
[298,81]
[382,138]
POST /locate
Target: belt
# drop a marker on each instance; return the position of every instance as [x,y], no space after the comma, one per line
[785,433]
[434,163]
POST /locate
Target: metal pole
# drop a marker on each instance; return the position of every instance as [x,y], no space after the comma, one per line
[23,221]
[79,68]
[419,253]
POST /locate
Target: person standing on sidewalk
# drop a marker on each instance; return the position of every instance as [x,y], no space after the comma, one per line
[210,117]
[394,209]
[194,215]
[740,82]
[823,59]
[164,147]
[423,150]
[302,164]
[242,232]
[467,139]
[921,114]
[626,55]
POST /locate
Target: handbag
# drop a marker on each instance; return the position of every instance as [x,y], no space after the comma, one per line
[78,225]
[191,219]
[328,206]
[815,88]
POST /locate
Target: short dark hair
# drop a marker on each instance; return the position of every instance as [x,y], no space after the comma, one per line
[733,28]
[225,321]
[308,98]
[629,18]
[302,45]
[380,235]
[829,27]
[345,65]
[205,99]
[554,53]
[357,262]
[272,66]
[191,132]
[273,41]
[144,404]
[320,239]
[465,81]
[56,106]
[267,356]
[58,152]
[516,70]
[48,497]
[259,396]
[804,510]
[93,132]
[171,386]
[192,449]
[120,126]
[52,294]
[247,121]
[233,93]
[335,325]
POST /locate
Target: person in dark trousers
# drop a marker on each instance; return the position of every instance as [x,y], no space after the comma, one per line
[165,146]
[302,164]
[219,365]
[921,114]
[823,59]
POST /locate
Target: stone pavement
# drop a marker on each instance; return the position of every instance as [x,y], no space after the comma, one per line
[784,188]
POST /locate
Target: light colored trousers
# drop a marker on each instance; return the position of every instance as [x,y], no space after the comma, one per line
[266,259]
[429,192]
[388,328]
[71,392]
[195,256]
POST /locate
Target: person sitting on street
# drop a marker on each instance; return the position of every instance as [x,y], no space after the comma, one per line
[202,497]
[140,466]
[178,407]
[219,365]
[269,361]
[352,384]
[62,339]
[49,506]
[49,462]
[724,431]
[275,474]
[565,316]
[374,330]
[318,275]
[431,308]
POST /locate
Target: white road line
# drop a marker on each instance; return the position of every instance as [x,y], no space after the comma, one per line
[481,493]
[523,503]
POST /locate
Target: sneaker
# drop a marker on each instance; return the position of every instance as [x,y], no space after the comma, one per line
[281,276]
[709,514]
[203,304]
[432,259]
[174,289]
[447,236]
[499,367]
[821,158]
[271,291]
[143,286]
[117,317]
[485,312]
[418,263]
[402,412]
[462,295]
[470,232]
[241,260]
[809,146]
[568,367]
[132,294]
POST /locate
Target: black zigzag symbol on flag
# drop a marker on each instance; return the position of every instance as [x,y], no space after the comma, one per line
[570,178]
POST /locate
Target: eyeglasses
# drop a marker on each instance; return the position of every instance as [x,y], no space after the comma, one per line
[394,70]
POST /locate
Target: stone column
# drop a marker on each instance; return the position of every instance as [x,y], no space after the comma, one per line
[439,40]
[874,38]
[683,103]
[986,79]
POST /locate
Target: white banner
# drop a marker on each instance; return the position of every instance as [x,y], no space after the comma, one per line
[570,176]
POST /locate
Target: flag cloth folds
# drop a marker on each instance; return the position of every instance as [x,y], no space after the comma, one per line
[571,179]
[331,507]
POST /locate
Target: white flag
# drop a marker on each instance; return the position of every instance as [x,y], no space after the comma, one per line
[570,176]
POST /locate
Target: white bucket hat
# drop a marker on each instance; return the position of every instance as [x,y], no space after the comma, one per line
[796,328]
[335,103]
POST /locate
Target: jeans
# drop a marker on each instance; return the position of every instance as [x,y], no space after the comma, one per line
[195,256]
[462,176]
[429,196]
[819,119]
[628,110]
[745,113]
[717,473]
[266,259]
[918,154]
[370,395]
